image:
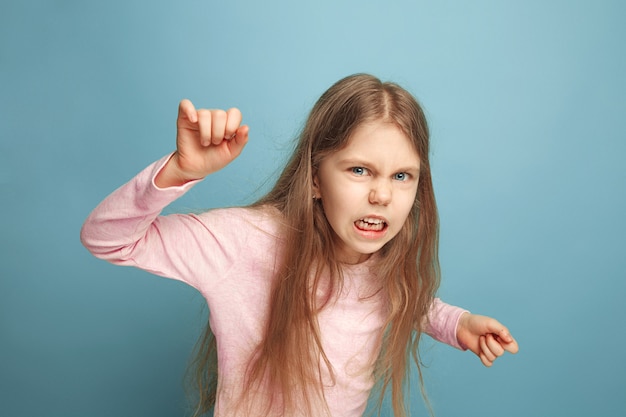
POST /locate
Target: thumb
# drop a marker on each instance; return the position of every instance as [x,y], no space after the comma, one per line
[506,340]
[187,111]
[503,335]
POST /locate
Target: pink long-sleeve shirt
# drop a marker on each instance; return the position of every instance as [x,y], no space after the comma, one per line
[230,256]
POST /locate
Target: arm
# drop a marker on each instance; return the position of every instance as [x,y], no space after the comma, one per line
[459,328]
[126,228]
[442,323]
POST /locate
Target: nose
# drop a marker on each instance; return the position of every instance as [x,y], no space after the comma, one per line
[380,193]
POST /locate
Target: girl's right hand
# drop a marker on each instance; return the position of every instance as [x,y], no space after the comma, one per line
[206,141]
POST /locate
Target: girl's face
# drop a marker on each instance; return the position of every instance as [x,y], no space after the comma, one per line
[368,188]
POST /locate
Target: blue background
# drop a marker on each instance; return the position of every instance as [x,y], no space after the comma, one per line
[526,101]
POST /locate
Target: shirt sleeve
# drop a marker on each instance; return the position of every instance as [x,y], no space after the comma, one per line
[443,320]
[126,228]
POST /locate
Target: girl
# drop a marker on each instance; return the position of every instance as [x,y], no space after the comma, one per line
[320,290]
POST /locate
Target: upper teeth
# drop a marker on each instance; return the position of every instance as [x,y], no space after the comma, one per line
[372,221]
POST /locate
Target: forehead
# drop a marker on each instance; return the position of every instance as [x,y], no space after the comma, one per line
[381,142]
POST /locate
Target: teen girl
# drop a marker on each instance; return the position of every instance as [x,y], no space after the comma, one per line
[320,290]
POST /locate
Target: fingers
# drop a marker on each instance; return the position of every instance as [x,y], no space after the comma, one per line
[490,348]
[205,119]
[493,346]
[485,361]
[216,125]
[233,122]
[503,337]
[487,357]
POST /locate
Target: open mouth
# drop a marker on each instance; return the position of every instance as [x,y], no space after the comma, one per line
[370,224]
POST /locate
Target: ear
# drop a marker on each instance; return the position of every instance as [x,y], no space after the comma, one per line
[317,194]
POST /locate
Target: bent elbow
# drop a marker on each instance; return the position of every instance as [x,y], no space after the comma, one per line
[101,244]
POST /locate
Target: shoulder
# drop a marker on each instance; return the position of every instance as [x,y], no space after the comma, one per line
[244,222]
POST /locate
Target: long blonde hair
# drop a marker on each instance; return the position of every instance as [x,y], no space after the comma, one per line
[408,265]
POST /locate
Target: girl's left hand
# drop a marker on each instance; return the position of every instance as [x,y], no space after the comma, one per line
[485,336]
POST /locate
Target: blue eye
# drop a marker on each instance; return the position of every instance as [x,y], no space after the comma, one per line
[359,171]
[401,176]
